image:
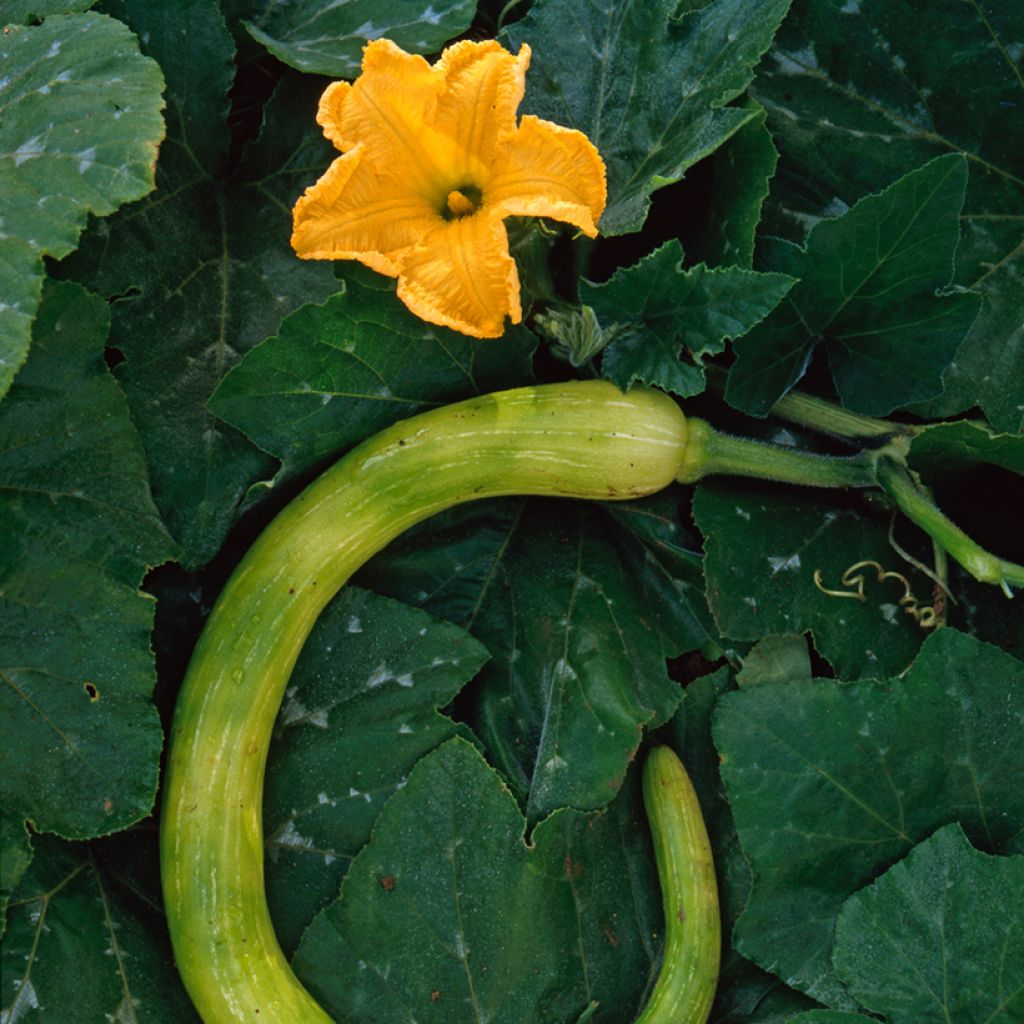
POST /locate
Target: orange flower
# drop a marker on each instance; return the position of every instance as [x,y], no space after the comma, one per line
[433,161]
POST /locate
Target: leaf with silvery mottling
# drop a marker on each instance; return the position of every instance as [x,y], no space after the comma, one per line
[860,93]
[831,783]
[651,91]
[360,710]
[337,373]
[939,937]
[82,738]
[82,946]
[203,269]
[763,547]
[447,915]
[654,308]
[870,292]
[328,39]
[80,129]
[667,565]
[578,640]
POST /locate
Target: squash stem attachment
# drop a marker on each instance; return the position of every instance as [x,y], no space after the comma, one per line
[710,452]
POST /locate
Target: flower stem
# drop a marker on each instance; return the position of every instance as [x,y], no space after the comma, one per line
[708,452]
[897,482]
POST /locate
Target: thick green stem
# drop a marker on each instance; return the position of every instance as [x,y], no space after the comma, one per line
[827,418]
[709,452]
[819,414]
[896,481]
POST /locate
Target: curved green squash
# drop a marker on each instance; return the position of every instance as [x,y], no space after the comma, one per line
[686,983]
[581,440]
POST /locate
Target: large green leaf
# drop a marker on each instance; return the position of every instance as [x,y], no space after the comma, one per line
[648,89]
[868,291]
[82,739]
[743,169]
[339,372]
[203,269]
[578,639]
[763,547]
[360,711]
[447,914]
[860,93]
[328,39]
[80,128]
[654,308]
[939,937]
[831,783]
[82,946]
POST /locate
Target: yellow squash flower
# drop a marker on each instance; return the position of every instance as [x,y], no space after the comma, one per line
[433,161]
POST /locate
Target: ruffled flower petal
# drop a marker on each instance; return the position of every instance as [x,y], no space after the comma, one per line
[388,109]
[433,161]
[544,170]
[462,276]
[353,212]
[484,86]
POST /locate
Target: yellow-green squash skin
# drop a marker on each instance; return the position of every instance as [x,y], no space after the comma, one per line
[685,987]
[580,439]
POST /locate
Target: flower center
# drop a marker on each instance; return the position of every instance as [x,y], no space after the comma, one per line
[461,202]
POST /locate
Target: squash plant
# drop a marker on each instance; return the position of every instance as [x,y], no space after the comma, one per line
[803,297]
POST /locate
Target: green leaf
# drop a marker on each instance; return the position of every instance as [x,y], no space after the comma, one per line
[82,738]
[869,289]
[24,12]
[578,642]
[339,372]
[448,915]
[649,90]
[776,659]
[946,449]
[203,269]
[81,945]
[939,937]
[359,712]
[762,549]
[861,93]
[832,783]
[328,39]
[743,168]
[79,134]
[665,563]
[654,308]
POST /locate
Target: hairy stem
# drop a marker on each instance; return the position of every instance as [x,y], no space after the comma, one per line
[711,453]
